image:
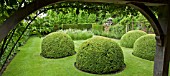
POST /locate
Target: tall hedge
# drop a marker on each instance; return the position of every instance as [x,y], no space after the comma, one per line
[128,39]
[99,55]
[69,26]
[97,27]
[87,26]
[145,47]
[57,45]
[77,26]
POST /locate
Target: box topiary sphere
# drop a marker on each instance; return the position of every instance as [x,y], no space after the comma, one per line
[145,46]
[57,45]
[100,55]
[130,37]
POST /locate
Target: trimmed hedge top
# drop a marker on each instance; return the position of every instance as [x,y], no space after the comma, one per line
[99,55]
[130,37]
[77,26]
[145,46]
[57,45]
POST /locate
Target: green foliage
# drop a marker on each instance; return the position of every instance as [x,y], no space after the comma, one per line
[117,31]
[85,17]
[126,20]
[141,18]
[116,20]
[45,25]
[99,55]
[138,22]
[145,46]
[91,18]
[78,34]
[77,26]
[130,22]
[143,23]
[107,34]
[87,26]
[57,45]
[97,32]
[58,20]
[67,18]
[97,29]
[8,7]
[128,39]
[69,26]
[104,33]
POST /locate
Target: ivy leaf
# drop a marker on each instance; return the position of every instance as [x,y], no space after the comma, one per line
[6,13]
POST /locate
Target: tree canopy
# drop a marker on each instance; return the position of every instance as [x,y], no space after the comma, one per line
[8,7]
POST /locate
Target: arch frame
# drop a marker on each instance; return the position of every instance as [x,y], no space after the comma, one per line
[19,15]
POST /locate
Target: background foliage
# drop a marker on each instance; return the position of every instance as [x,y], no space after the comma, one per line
[76,34]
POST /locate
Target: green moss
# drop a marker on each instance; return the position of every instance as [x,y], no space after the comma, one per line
[57,45]
[99,55]
[144,47]
[130,37]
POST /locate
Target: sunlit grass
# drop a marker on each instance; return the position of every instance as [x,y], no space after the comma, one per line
[28,62]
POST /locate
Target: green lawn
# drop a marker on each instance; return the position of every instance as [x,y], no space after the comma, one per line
[28,62]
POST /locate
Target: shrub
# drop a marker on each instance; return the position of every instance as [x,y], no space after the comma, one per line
[57,45]
[145,46]
[117,31]
[97,29]
[100,55]
[76,34]
[97,32]
[130,37]
[104,33]
[110,35]
[107,34]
